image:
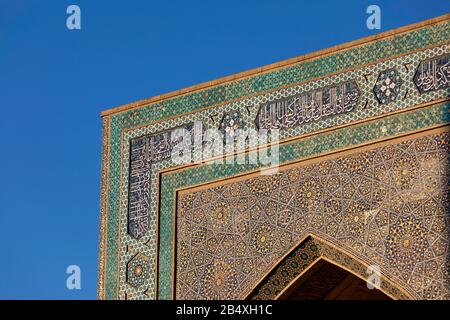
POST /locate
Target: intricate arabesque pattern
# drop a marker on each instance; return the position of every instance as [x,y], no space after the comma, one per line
[406,244]
[120,247]
[317,144]
[387,206]
[409,95]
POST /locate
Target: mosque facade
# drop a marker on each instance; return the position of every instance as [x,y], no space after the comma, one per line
[333,182]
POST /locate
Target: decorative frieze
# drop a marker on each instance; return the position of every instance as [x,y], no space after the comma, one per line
[309,106]
[433,74]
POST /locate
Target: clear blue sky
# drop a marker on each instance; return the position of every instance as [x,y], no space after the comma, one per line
[54,83]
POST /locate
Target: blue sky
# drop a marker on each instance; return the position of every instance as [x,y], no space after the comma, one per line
[54,83]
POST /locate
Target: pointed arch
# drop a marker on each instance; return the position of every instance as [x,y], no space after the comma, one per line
[306,255]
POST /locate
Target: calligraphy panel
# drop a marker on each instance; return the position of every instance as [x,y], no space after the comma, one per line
[145,151]
[433,74]
[309,106]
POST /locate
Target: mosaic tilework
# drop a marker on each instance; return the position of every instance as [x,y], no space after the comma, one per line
[138,270]
[103,210]
[288,269]
[388,206]
[301,72]
[230,123]
[338,62]
[360,112]
[386,128]
[388,86]
[319,144]
[303,257]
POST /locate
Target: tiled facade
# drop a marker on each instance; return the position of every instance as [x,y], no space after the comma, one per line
[400,84]
[385,206]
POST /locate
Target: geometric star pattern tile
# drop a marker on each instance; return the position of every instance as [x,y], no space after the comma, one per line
[387,205]
[137,270]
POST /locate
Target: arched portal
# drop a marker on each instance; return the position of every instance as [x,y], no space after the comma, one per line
[314,270]
[375,207]
[326,281]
